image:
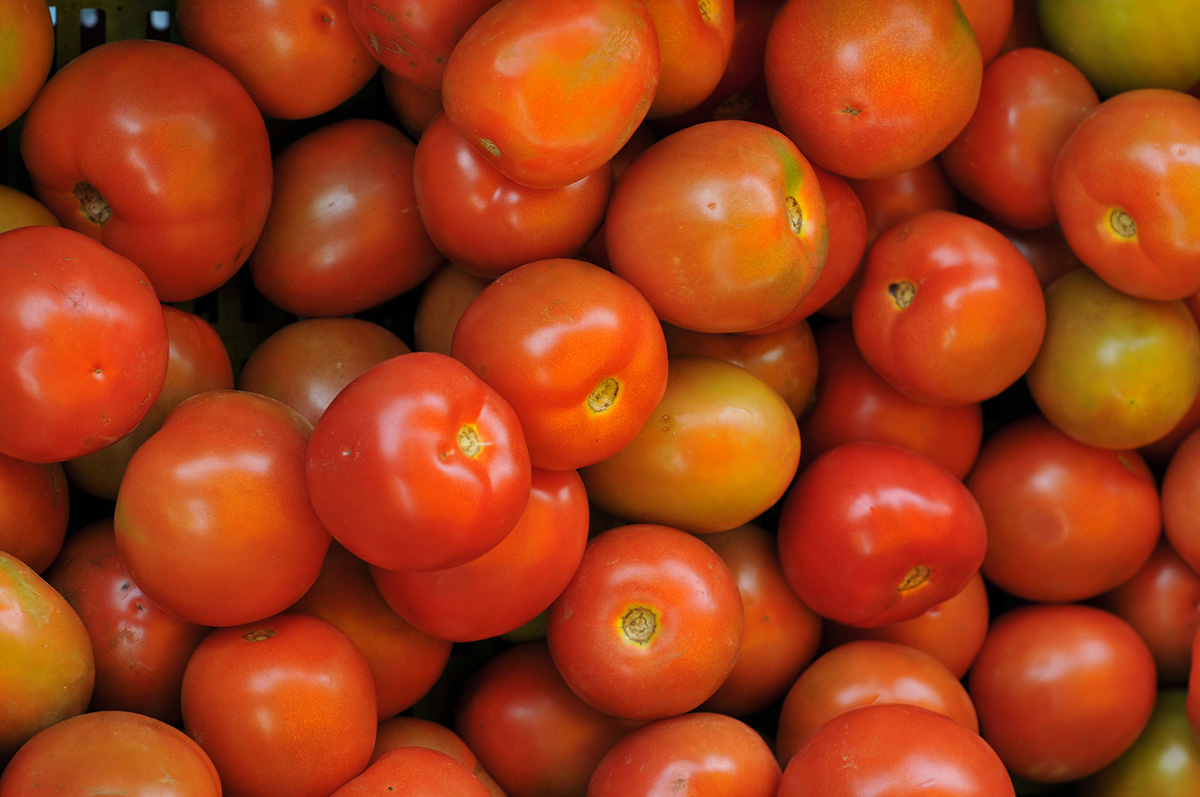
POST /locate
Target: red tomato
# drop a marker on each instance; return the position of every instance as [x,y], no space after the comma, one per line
[82,327]
[296,59]
[649,626]
[678,215]
[550,91]
[444,297]
[871,533]
[113,752]
[870,89]
[894,750]
[1124,191]
[159,153]
[406,731]
[1061,689]
[209,498]
[694,43]
[283,706]
[1180,492]
[991,21]
[415,771]
[575,350]
[1046,249]
[27,32]
[343,234]
[418,464]
[696,753]
[414,107]
[34,509]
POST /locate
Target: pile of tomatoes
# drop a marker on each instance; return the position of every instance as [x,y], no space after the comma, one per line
[606,397]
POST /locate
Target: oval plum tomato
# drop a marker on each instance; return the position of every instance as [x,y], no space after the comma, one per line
[694,43]
[18,209]
[550,91]
[1180,492]
[1065,520]
[649,626]
[991,22]
[444,296]
[281,706]
[83,327]
[1124,189]
[412,39]
[948,311]
[722,226]
[197,361]
[416,771]
[871,533]
[343,234]
[718,451]
[487,224]
[114,752]
[27,41]
[1061,689]
[533,734]
[862,673]
[48,667]
[1114,371]
[1031,100]
[575,350]
[296,59]
[157,152]
[140,650]
[700,752]
[870,89]
[35,506]
[1164,761]
[213,519]
[307,362]
[418,464]
[907,748]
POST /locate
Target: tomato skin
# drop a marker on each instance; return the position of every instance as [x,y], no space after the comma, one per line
[417,771]
[650,624]
[1180,498]
[694,44]
[1164,761]
[27,41]
[101,146]
[991,21]
[84,326]
[34,509]
[418,464]
[18,209]
[408,731]
[444,297]
[511,85]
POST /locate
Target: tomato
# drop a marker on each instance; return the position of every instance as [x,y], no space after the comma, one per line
[113,752]
[718,451]
[1030,102]
[1123,187]
[488,224]
[418,464]
[509,585]
[694,43]
[34,509]
[48,666]
[444,297]
[1061,689]
[991,21]
[650,624]
[414,107]
[1114,371]
[417,771]
[1046,249]
[18,209]
[871,533]
[1164,761]
[343,234]
[286,705]
[575,350]
[406,731]
[1180,498]
[140,650]
[307,362]
[691,200]
[212,517]
[297,60]
[1066,521]
[862,673]
[695,753]
[83,327]
[159,153]
[405,661]
[869,89]
[197,361]
[892,750]
[27,41]
[550,91]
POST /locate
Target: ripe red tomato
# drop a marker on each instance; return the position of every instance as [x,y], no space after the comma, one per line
[991,21]
[34,508]
[649,626]
[282,706]
[27,33]
[87,348]
[1180,492]
[403,730]
[417,771]
[418,464]
[694,44]
[157,152]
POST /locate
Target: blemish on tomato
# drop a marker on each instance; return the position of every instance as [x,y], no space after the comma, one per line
[902,293]
[259,635]
[92,203]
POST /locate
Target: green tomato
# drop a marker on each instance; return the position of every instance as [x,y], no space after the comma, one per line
[1164,761]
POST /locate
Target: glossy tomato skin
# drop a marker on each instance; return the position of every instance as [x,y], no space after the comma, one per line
[323,257]
[403,730]
[870,89]
[84,326]
[27,34]
[694,44]
[189,217]
[284,705]
[511,85]
[991,21]
[18,209]
[444,297]
[418,464]
[416,771]
[1180,498]
[34,509]
[236,460]
[649,626]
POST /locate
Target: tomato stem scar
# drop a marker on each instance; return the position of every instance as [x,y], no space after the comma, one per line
[259,635]
[903,293]
[914,578]
[1122,223]
[795,215]
[603,395]
[92,203]
[639,624]
[468,441]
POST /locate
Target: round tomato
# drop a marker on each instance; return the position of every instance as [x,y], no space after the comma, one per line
[991,21]
[1164,761]
[694,44]
[18,209]
[444,297]
[34,509]
[408,731]
[416,771]
[27,44]
[1180,492]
